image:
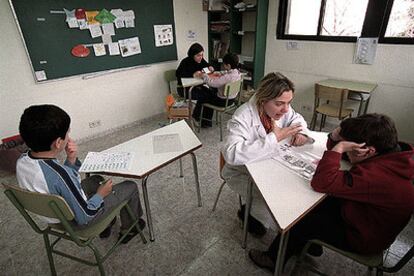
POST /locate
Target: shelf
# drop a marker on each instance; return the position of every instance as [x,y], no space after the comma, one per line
[244,32]
[245,10]
[219,11]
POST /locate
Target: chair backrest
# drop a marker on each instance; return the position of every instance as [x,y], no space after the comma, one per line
[38,203]
[171,79]
[331,94]
[231,89]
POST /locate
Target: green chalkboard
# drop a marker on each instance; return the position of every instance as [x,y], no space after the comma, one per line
[49,40]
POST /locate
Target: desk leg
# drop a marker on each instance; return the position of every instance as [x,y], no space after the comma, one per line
[361,103]
[147,208]
[247,211]
[284,237]
[196,178]
[190,107]
[181,168]
[366,105]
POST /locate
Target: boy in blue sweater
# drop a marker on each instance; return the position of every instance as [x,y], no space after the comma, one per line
[45,130]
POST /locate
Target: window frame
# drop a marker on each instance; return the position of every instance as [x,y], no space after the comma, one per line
[375,24]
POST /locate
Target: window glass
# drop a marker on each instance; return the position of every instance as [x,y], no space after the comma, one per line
[303,16]
[344,17]
[401,22]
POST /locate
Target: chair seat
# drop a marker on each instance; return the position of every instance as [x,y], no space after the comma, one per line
[94,230]
[333,111]
[220,108]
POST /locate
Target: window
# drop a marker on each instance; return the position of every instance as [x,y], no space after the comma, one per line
[401,22]
[345,20]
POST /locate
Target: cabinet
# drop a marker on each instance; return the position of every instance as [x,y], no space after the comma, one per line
[240,29]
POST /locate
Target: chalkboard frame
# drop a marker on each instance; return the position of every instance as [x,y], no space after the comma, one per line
[96,66]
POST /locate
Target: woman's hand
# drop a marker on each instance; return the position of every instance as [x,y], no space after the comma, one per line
[211,68]
[198,74]
[285,132]
[298,140]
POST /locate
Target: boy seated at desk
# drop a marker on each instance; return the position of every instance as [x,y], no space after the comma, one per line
[45,129]
[369,205]
[215,94]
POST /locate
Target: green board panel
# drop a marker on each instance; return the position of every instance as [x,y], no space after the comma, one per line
[49,40]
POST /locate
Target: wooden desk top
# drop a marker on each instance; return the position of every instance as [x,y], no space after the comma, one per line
[145,161]
[354,86]
[287,195]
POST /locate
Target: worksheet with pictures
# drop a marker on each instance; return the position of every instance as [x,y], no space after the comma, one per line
[106,162]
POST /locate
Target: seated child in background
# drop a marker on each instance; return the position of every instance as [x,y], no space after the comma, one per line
[45,130]
[216,95]
[369,205]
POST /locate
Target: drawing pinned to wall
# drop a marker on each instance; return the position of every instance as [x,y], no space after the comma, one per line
[130,46]
[163,35]
[191,35]
[80,51]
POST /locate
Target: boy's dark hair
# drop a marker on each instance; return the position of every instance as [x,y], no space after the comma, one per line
[375,130]
[195,49]
[232,60]
[40,125]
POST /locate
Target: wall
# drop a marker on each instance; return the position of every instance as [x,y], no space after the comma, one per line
[115,99]
[392,70]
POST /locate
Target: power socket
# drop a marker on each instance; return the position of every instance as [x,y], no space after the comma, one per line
[306,108]
[95,123]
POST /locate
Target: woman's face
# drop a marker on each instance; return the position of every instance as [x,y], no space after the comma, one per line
[279,106]
[199,57]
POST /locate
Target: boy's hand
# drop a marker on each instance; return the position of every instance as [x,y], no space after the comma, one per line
[346,146]
[198,74]
[298,140]
[71,151]
[335,134]
[285,132]
[105,189]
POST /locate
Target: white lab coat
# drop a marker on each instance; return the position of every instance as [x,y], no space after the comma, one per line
[248,142]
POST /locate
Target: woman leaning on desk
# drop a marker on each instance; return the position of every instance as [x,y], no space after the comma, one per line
[194,62]
[255,130]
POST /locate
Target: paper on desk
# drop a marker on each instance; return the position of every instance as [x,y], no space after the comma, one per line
[166,143]
[106,162]
[302,163]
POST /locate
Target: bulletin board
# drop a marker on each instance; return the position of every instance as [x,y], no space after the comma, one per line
[49,40]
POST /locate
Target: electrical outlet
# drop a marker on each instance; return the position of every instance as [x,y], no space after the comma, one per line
[95,123]
[292,45]
[306,108]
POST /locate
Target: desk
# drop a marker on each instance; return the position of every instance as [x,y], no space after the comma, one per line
[145,161]
[288,196]
[358,88]
[190,82]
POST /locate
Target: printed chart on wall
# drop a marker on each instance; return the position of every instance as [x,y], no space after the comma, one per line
[78,37]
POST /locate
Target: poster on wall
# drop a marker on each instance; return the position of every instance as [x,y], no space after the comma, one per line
[163,35]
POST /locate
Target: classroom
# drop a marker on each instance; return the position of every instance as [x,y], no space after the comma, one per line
[110,108]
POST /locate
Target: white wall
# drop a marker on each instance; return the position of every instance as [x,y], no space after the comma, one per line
[393,71]
[116,99]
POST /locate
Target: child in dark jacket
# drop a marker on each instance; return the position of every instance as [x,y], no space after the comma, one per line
[369,205]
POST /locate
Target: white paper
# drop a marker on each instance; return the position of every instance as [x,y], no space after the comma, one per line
[119,21]
[73,23]
[302,163]
[167,143]
[83,25]
[114,49]
[99,49]
[106,162]
[95,30]
[41,75]
[106,39]
[129,17]
[130,46]
[365,50]
[108,28]
[163,35]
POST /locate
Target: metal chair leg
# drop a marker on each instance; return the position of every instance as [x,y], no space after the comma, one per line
[313,121]
[201,118]
[181,168]
[98,259]
[49,254]
[221,126]
[218,196]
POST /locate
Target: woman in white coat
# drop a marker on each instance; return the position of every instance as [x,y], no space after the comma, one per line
[255,131]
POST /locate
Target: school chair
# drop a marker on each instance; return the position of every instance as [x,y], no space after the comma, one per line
[371,261]
[329,102]
[222,162]
[231,90]
[54,206]
[171,79]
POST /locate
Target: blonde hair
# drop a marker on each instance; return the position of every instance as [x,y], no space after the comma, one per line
[270,87]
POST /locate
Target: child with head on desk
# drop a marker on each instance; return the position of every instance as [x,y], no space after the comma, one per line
[45,129]
[369,205]
[216,82]
[194,62]
[255,131]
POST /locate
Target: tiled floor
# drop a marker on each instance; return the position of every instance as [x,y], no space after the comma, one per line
[188,240]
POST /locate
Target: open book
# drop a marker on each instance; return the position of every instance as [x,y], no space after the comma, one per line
[106,162]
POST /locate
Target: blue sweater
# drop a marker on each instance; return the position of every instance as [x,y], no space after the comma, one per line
[50,177]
